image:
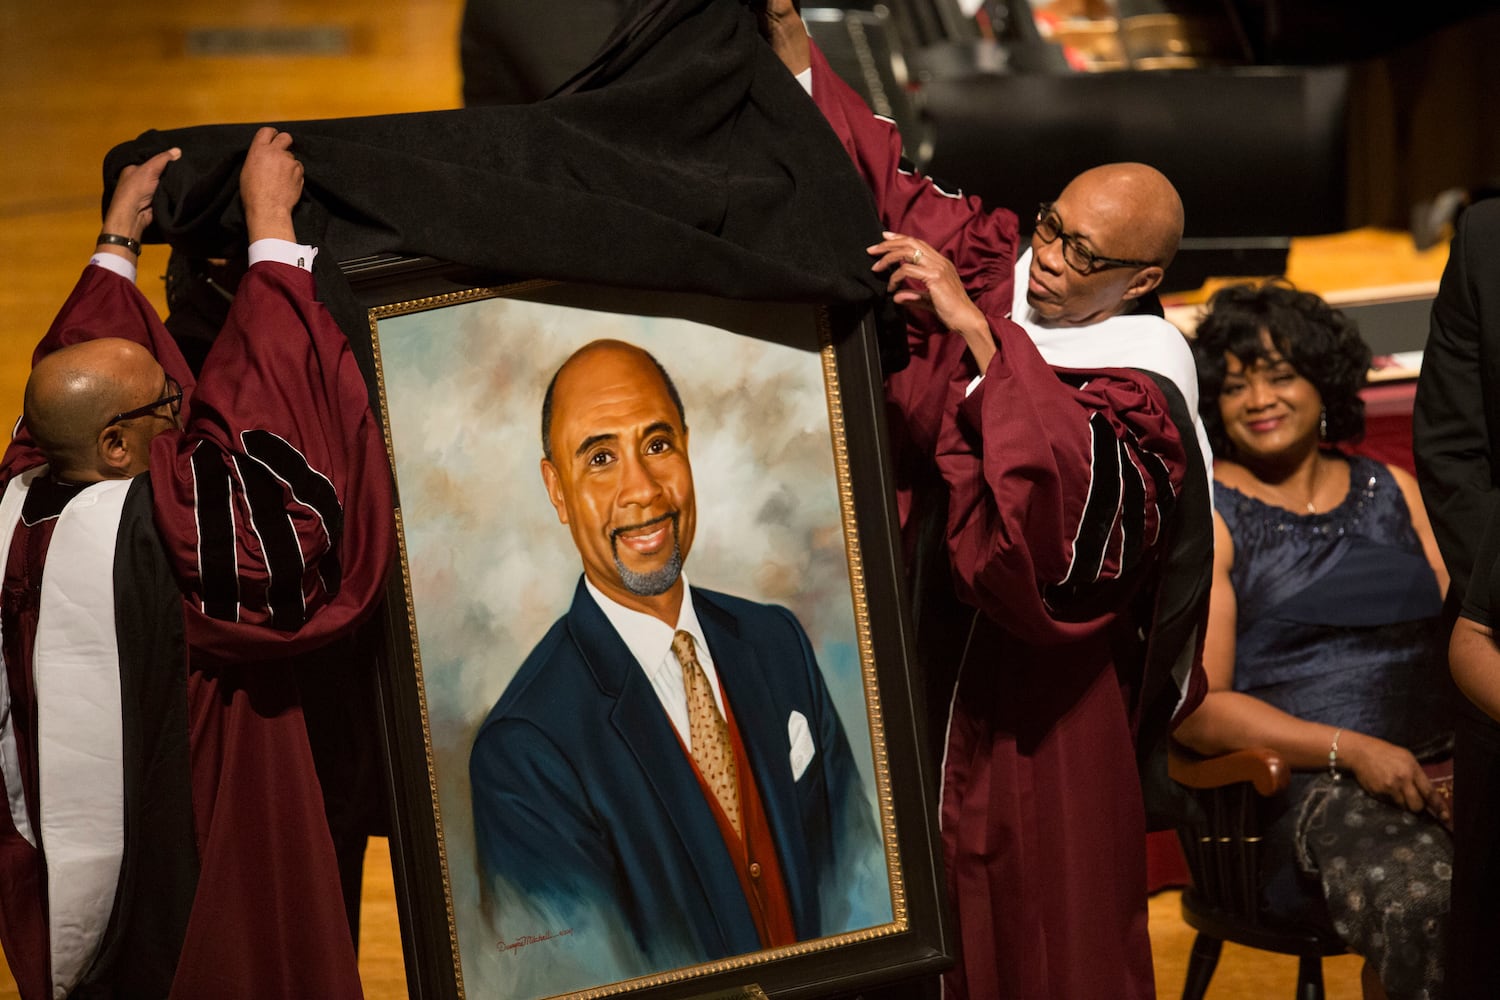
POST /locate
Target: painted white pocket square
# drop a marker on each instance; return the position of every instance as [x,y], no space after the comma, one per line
[800,738]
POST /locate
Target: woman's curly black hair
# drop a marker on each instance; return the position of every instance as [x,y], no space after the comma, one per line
[1319,341]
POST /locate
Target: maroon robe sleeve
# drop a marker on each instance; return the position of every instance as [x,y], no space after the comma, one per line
[1060,483]
[982,246]
[274,507]
[275,502]
[980,243]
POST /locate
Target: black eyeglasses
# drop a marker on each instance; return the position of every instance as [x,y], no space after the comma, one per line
[173,398]
[1049,226]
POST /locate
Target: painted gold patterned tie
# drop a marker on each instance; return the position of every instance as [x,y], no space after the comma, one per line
[712,750]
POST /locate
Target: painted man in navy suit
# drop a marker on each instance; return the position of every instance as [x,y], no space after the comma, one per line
[617,793]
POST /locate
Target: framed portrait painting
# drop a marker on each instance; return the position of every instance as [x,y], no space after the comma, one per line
[647,690]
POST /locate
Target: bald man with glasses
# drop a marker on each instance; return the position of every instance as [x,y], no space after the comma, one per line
[1054,500]
[170,544]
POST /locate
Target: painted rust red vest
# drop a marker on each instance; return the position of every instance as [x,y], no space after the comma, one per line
[754,853]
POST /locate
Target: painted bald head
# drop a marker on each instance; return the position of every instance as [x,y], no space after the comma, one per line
[74,392]
[617,472]
[1127,212]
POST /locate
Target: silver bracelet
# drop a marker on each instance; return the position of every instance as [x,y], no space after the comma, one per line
[1333,755]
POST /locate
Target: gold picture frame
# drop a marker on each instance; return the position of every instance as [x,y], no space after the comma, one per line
[795,510]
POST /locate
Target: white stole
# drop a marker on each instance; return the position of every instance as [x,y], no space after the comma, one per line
[1141,341]
[76,676]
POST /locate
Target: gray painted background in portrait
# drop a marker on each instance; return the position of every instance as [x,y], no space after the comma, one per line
[492,568]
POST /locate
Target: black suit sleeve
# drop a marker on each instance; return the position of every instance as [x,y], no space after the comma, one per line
[1451,435]
[1484,583]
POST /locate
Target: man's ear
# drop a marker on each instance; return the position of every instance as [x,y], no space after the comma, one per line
[1145,280]
[554,490]
[114,451]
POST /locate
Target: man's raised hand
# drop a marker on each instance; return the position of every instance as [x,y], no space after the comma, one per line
[129,211]
[781,24]
[270,185]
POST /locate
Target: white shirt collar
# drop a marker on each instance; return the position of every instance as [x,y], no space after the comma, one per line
[650,642]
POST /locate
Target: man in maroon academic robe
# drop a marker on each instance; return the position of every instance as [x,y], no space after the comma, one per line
[170,545]
[1076,526]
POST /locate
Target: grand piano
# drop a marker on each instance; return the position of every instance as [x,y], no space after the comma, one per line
[1275,118]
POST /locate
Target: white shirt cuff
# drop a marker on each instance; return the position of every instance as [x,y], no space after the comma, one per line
[805,78]
[283,252]
[122,266]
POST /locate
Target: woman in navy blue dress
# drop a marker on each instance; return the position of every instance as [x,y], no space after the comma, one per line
[1325,639]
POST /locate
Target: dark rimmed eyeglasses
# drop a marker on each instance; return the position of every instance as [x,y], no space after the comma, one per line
[173,398]
[1049,226]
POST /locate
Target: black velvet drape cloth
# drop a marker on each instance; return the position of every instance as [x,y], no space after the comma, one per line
[684,158]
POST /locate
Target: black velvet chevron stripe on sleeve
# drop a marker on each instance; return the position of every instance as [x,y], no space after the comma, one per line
[219,593]
[311,489]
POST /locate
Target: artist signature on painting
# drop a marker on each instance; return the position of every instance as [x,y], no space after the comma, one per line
[526,939]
